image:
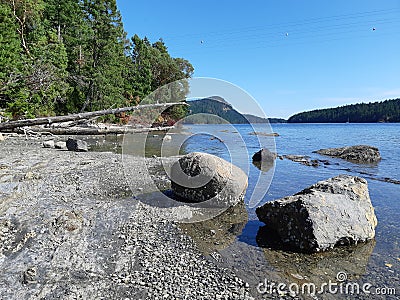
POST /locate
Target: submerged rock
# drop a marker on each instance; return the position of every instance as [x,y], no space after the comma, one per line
[199,177]
[359,153]
[264,133]
[77,145]
[337,211]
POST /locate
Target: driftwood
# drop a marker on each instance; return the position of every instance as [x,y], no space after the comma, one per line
[75,117]
[89,130]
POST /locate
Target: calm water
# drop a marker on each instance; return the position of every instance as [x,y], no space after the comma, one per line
[376,263]
[234,233]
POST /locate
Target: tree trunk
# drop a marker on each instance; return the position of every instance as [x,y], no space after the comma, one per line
[90,130]
[74,117]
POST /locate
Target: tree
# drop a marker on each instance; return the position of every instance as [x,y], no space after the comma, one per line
[104,61]
[67,56]
[10,54]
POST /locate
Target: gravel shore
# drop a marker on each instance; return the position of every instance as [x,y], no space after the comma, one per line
[70,228]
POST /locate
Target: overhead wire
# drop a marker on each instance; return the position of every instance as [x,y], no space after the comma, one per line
[284,34]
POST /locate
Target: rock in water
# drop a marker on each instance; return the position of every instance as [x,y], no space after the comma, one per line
[264,155]
[359,153]
[198,177]
[337,211]
[77,145]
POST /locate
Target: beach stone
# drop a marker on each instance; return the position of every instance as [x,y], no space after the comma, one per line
[358,153]
[2,138]
[48,144]
[167,138]
[60,145]
[198,177]
[337,211]
[77,145]
[264,155]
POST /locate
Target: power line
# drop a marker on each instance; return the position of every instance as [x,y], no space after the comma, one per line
[287,24]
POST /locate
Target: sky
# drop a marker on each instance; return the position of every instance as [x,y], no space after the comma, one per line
[290,56]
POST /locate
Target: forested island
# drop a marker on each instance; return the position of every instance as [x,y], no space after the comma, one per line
[204,111]
[61,57]
[373,112]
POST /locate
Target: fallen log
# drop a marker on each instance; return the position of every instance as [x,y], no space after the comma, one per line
[80,116]
[89,130]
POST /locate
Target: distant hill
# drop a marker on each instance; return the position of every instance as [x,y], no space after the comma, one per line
[219,106]
[373,112]
[255,119]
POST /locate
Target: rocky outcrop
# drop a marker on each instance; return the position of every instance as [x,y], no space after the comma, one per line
[77,145]
[337,211]
[359,153]
[199,177]
[303,159]
[264,133]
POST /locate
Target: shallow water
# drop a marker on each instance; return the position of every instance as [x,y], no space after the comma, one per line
[232,237]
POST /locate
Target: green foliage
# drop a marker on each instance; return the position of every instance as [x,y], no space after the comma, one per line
[72,55]
[10,57]
[385,111]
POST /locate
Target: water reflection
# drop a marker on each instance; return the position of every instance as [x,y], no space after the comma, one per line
[318,268]
[263,166]
[219,232]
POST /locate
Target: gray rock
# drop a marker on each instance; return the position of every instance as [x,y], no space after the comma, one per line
[199,177]
[264,155]
[60,145]
[336,211]
[304,160]
[359,153]
[29,275]
[48,144]
[77,145]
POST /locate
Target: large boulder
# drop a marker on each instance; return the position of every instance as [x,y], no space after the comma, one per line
[199,177]
[337,211]
[359,153]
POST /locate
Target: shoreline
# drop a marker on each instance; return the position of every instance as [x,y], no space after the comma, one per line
[69,227]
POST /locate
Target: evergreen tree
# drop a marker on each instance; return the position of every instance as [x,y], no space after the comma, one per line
[72,55]
[104,63]
[10,54]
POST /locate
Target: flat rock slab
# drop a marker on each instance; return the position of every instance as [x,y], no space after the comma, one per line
[70,229]
[359,153]
[337,211]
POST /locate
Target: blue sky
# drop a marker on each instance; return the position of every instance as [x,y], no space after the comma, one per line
[291,56]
